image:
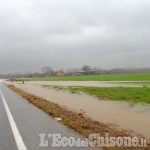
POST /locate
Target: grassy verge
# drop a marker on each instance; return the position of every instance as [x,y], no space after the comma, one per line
[129,94]
[113,77]
[74,120]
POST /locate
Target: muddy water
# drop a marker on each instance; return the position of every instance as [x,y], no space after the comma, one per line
[135,118]
[83,83]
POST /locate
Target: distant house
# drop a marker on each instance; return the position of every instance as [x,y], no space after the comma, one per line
[91,72]
[68,74]
[60,74]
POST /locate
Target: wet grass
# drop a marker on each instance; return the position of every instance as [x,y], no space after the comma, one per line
[128,94]
[113,77]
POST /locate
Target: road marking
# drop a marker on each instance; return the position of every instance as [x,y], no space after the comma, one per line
[16,133]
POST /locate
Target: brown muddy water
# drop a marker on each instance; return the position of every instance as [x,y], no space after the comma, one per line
[85,83]
[118,113]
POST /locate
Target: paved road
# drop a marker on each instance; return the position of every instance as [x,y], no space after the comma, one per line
[21,123]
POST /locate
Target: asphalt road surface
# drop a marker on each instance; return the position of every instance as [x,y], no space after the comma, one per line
[21,123]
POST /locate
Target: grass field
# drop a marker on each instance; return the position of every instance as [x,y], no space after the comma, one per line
[114,77]
[128,94]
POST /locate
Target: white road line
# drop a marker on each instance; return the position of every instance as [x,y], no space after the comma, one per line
[16,133]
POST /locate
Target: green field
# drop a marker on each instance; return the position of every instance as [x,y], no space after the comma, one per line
[114,77]
[128,94]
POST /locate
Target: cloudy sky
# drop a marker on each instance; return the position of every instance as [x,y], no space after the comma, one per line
[71,33]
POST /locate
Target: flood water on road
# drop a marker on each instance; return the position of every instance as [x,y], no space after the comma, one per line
[85,83]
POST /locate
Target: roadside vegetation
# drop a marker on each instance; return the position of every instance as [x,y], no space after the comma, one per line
[128,94]
[76,121]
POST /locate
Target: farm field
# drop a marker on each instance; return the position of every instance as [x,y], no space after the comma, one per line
[113,77]
[128,94]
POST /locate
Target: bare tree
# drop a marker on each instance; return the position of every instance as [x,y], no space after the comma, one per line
[47,71]
[86,69]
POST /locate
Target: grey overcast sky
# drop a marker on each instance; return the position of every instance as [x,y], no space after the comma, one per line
[71,33]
